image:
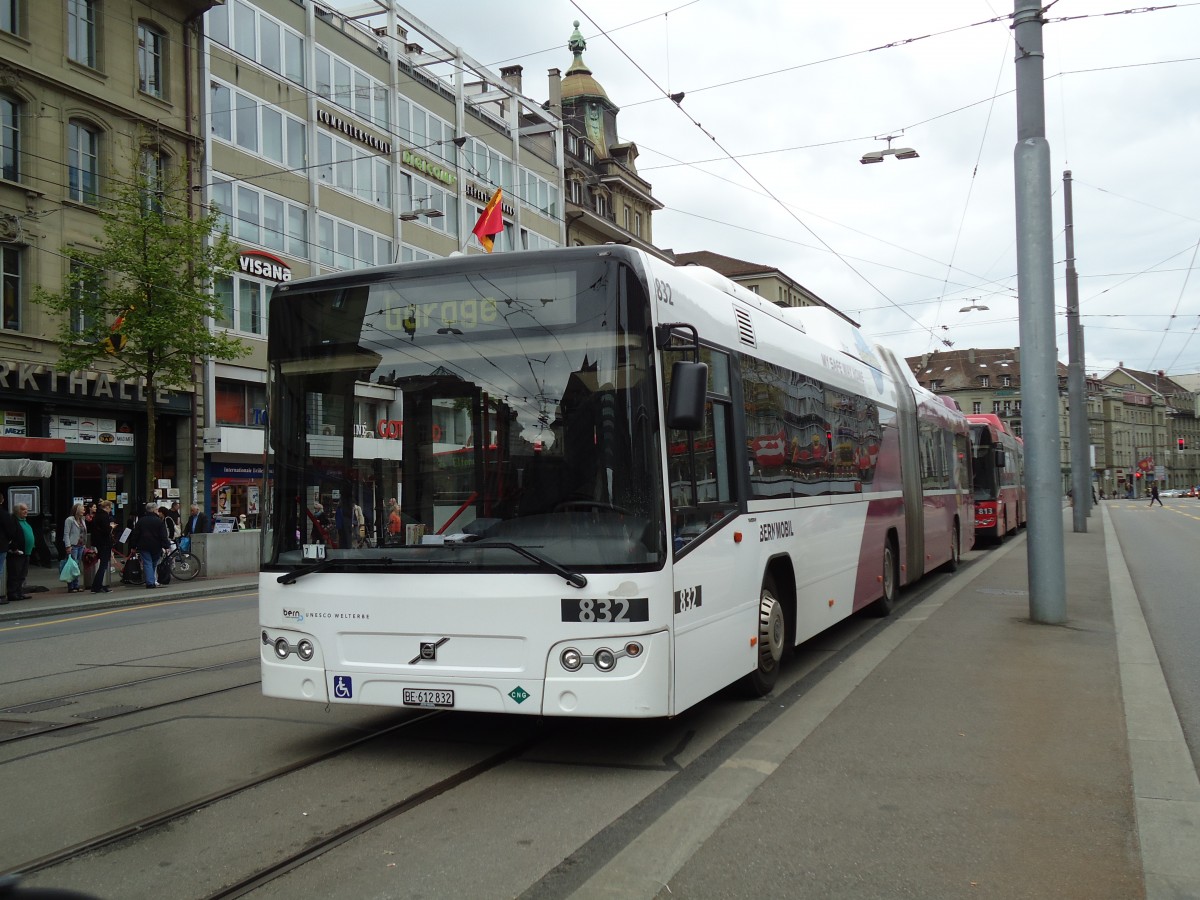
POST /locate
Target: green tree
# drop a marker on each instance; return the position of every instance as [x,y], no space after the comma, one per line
[142,298]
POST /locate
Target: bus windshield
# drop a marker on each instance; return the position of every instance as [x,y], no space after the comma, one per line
[429,419]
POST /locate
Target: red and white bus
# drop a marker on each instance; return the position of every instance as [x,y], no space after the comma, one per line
[594,484]
[999,478]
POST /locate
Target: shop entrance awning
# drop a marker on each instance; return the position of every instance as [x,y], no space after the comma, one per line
[21,467]
[20,444]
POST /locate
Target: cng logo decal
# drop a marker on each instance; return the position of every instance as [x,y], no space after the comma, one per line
[687,599]
[519,694]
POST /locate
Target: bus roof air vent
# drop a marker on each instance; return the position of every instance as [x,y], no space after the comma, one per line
[745,327]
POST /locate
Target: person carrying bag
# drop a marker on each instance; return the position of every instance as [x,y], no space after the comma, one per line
[75,541]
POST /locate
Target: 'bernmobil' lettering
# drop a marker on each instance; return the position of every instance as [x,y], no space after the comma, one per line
[774,531]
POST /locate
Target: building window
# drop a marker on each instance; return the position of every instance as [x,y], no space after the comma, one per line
[601,205]
[984,381]
[935,384]
[10,285]
[753,288]
[151,45]
[637,224]
[10,137]
[1005,381]
[85,286]
[83,163]
[81,31]
[242,302]
[996,407]
[152,167]
[244,34]
[9,10]
[357,173]
[241,403]
[260,129]
[262,218]
[976,407]
[342,244]
[628,219]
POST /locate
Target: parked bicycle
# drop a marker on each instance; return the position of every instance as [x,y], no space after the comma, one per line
[128,566]
[184,565]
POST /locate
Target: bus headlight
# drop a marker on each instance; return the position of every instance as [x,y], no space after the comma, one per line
[571,659]
[305,650]
[604,659]
[282,649]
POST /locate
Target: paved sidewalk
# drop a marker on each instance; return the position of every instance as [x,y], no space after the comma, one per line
[50,597]
[961,752]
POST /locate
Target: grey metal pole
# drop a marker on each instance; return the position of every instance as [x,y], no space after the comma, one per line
[1039,356]
[1081,474]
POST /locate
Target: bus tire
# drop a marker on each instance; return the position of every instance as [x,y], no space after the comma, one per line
[891,583]
[955,551]
[772,641]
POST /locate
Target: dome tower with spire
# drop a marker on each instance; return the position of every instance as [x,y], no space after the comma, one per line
[607,201]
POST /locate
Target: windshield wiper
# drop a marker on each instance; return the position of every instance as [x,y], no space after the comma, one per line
[329,562]
[573,578]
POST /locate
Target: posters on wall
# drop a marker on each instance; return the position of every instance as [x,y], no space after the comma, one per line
[88,430]
[13,423]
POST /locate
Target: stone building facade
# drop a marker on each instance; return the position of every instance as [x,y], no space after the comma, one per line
[90,92]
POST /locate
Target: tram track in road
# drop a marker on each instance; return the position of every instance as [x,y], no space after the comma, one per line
[90,718]
[166,817]
[353,830]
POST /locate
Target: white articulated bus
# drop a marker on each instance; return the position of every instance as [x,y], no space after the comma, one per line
[581,482]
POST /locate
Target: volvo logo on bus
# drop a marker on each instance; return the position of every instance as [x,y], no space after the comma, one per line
[428,651]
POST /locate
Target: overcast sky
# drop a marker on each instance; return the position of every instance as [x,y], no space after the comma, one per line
[797,92]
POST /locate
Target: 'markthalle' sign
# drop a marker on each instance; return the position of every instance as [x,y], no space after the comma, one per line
[30,381]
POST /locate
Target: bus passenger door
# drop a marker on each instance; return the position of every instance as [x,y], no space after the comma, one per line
[710,590]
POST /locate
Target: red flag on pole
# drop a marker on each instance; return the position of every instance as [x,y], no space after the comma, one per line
[491,222]
[116,341]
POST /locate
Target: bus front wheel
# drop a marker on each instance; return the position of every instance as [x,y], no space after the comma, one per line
[772,641]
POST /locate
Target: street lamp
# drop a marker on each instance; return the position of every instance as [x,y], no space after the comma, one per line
[975,304]
[426,211]
[876,156]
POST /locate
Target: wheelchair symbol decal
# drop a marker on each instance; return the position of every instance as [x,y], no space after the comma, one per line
[343,687]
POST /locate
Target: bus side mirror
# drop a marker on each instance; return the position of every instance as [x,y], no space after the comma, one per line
[689,386]
[999,457]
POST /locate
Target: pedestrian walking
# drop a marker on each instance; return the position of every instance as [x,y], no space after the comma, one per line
[101,532]
[75,542]
[1154,493]
[150,538]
